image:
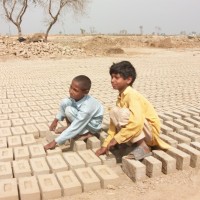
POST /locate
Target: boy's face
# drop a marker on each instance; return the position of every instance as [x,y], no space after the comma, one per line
[119,83]
[76,92]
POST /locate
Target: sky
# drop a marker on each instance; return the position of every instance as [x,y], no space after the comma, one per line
[112,16]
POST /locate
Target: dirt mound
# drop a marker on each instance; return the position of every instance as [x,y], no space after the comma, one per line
[99,45]
[115,51]
[163,43]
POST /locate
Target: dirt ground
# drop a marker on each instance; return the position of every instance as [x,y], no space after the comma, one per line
[177,186]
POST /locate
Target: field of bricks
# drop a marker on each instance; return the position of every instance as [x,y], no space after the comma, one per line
[30,93]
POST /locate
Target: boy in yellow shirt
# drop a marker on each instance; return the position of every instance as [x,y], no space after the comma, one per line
[134,119]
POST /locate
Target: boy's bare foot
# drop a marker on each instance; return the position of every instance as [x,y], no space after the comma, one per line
[51,145]
[60,130]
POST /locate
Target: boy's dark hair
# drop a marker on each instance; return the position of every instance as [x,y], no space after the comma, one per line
[125,69]
[84,82]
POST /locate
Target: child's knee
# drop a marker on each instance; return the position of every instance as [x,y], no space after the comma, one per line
[70,113]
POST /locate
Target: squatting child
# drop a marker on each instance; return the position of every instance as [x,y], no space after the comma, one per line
[82,111]
[134,120]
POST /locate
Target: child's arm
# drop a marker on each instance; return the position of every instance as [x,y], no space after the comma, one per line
[53,125]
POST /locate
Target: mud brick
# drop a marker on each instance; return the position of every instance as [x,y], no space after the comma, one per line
[57,150]
[49,186]
[176,127]
[40,102]
[29,120]
[63,123]
[50,136]
[6,154]
[194,154]
[22,104]
[13,105]
[35,108]
[169,140]
[106,175]
[182,114]
[37,150]
[53,111]
[173,115]
[168,162]
[45,113]
[21,168]
[5,132]
[8,189]
[195,130]
[165,117]
[195,145]
[31,129]
[3,117]
[4,106]
[78,145]
[73,160]
[5,123]
[43,129]
[180,138]
[3,142]
[190,112]
[26,109]
[6,110]
[34,114]
[21,153]
[193,121]
[103,136]
[50,118]
[28,188]
[183,123]
[56,163]
[40,119]
[195,110]
[28,139]
[46,107]
[31,103]
[13,116]
[14,141]
[153,166]
[182,159]
[196,118]
[93,143]
[88,179]
[108,160]
[16,110]
[17,122]
[69,183]
[24,114]
[5,170]
[89,158]
[134,169]
[166,129]
[17,130]
[39,166]
[194,137]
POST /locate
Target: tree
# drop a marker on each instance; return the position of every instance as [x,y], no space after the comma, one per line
[141,30]
[15,10]
[56,7]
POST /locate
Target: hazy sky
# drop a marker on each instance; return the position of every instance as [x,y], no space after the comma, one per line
[111,16]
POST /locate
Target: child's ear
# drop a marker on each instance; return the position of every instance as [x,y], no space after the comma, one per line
[87,91]
[129,80]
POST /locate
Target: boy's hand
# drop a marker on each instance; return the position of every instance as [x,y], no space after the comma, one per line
[53,125]
[101,151]
[112,143]
[51,145]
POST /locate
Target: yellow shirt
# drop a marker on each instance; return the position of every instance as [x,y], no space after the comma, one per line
[141,109]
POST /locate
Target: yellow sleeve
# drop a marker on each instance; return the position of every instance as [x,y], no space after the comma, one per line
[111,133]
[135,124]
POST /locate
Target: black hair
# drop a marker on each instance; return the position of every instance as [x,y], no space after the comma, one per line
[125,69]
[84,82]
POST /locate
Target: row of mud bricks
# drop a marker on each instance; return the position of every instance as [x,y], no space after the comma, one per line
[28,172]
